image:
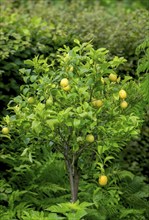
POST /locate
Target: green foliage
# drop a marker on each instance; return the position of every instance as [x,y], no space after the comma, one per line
[127,3]
[71,210]
[44,27]
[143,67]
[73,112]
[143,51]
[41,187]
[145,87]
[47,142]
[136,152]
[19,42]
[33,173]
[34,215]
[125,197]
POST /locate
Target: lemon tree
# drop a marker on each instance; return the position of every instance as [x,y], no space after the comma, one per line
[75,108]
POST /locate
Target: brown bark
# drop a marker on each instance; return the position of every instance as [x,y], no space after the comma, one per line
[74,179]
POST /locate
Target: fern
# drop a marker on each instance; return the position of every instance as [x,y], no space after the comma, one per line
[36,215]
[125,174]
[129,213]
[71,210]
[145,86]
[143,51]
[135,195]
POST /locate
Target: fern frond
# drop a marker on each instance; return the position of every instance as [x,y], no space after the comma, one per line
[143,46]
[128,212]
[125,174]
[143,52]
[136,193]
[145,86]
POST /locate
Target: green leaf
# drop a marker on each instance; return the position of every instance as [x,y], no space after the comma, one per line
[30,157]
[59,208]
[108,158]
[126,79]
[76,122]
[25,91]
[51,123]
[77,41]
[33,78]
[24,151]
[102,149]
[29,62]
[36,127]
[124,173]
[76,215]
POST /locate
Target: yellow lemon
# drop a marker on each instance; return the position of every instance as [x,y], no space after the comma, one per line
[124,104]
[64,82]
[103,180]
[5,130]
[90,138]
[113,77]
[66,88]
[122,94]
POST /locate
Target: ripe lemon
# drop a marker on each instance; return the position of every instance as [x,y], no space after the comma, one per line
[97,103]
[90,138]
[31,100]
[5,130]
[66,88]
[103,180]
[113,77]
[64,82]
[122,94]
[124,104]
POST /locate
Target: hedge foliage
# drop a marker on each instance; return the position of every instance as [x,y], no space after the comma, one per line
[41,28]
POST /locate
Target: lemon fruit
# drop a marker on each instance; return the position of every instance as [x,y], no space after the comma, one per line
[90,138]
[122,94]
[5,130]
[66,88]
[64,82]
[97,103]
[124,104]
[103,180]
[113,77]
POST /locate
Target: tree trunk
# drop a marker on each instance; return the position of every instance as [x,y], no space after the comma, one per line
[74,179]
